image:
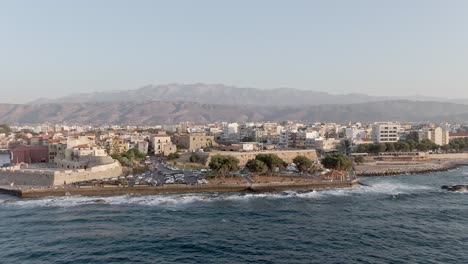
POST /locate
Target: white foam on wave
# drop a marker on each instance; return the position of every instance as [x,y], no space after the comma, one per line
[393,188]
[69,201]
[383,187]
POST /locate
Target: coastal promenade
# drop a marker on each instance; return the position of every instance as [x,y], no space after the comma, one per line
[28,192]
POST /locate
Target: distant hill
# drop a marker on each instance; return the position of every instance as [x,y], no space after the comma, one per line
[159,112]
[227,95]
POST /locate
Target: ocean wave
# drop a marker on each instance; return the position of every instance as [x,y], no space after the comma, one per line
[387,188]
[393,188]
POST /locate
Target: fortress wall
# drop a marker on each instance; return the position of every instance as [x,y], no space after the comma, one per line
[22,177]
[49,177]
[94,173]
[286,155]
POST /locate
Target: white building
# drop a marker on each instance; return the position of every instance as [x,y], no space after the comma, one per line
[437,135]
[231,131]
[386,132]
[143,147]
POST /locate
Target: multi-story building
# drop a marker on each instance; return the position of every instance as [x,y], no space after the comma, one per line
[57,149]
[383,132]
[439,136]
[116,146]
[162,145]
[193,142]
[143,147]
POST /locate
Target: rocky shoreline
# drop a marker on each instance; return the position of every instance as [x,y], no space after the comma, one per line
[402,168]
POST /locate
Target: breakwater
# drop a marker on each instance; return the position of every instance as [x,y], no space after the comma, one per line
[175,189]
[398,168]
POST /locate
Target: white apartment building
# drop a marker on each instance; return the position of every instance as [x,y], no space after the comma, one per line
[231,131]
[383,132]
[437,135]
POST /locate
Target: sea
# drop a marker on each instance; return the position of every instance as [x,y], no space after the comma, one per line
[395,219]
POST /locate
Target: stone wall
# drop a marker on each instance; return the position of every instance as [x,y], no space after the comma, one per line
[449,156]
[27,177]
[286,155]
[98,172]
[49,177]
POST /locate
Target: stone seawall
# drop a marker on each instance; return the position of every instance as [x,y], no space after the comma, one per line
[181,189]
[449,156]
[49,177]
[286,155]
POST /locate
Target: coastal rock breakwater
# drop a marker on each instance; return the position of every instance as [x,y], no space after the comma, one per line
[398,168]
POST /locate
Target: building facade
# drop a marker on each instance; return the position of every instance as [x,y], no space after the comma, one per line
[193,142]
[386,132]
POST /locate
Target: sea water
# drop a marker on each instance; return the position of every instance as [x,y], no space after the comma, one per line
[397,219]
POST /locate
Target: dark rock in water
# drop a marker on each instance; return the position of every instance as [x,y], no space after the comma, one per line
[456,188]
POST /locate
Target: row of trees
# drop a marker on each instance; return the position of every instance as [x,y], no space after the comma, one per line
[264,163]
[409,145]
[457,144]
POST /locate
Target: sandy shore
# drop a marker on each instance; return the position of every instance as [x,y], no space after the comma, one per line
[383,168]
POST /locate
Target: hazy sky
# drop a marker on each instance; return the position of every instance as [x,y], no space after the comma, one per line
[54,48]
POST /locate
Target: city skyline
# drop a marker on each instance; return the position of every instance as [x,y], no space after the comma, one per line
[55,48]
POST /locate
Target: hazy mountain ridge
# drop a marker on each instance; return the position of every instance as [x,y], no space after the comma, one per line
[163,112]
[228,95]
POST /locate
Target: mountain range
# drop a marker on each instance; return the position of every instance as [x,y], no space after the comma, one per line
[163,112]
[231,95]
[203,103]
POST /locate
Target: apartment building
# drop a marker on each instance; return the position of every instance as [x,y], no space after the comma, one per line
[437,135]
[383,132]
[162,145]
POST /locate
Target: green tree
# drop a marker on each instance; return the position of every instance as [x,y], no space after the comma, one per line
[390,147]
[381,147]
[363,148]
[271,161]
[337,161]
[195,158]
[173,156]
[224,164]
[256,166]
[412,144]
[303,163]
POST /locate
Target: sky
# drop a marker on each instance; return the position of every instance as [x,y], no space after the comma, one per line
[55,48]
